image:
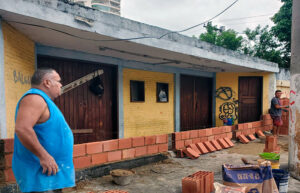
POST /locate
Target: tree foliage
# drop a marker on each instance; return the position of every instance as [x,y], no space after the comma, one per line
[228,38]
[273,44]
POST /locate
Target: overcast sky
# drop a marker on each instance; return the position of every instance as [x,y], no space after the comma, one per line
[180,14]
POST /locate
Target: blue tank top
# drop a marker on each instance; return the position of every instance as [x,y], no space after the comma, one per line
[56,137]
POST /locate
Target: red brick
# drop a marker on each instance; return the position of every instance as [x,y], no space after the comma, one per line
[194,147]
[176,136]
[163,147]
[217,130]
[8,160]
[218,136]
[227,129]
[229,142]
[82,162]
[216,145]
[99,158]
[94,147]
[210,138]
[208,132]
[249,125]
[191,185]
[238,133]
[114,156]
[240,126]
[185,135]
[196,140]
[151,140]
[152,149]
[162,139]
[79,150]
[8,145]
[202,148]
[9,175]
[191,153]
[243,139]
[125,143]
[223,143]
[202,133]
[188,142]
[193,134]
[260,133]
[251,137]
[256,124]
[138,141]
[179,144]
[110,145]
[203,139]
[209,146]
[128,153]
[140,151]
[229,135]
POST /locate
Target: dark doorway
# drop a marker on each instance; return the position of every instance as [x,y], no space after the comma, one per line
[92,118]
[195,102]
[250,99]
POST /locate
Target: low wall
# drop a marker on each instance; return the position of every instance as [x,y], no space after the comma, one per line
[88,155]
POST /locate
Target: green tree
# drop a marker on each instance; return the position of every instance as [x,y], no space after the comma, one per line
[228,38]
[282,29]
[262,43]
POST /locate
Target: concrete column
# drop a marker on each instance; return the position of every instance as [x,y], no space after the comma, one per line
[294,132]
[120,102]
[3,133]
[177,101]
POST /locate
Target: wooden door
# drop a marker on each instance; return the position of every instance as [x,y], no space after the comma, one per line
[195,102]
[250,99]
[91,118]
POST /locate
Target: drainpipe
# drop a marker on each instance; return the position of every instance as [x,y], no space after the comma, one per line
[294,131]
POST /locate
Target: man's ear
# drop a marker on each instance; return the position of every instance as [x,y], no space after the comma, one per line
[47,83]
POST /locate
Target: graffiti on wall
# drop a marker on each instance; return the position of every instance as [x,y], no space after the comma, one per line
[229,108]
[19,77]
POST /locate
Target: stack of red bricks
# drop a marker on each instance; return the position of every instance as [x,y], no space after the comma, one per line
[196,142]
[284,129]
[271,145]
[95,153]
[245,132]
[199,182]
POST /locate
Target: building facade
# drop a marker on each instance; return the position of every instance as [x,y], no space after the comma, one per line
[108,6]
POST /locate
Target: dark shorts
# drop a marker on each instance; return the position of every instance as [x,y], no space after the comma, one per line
[277,121]
[49,191]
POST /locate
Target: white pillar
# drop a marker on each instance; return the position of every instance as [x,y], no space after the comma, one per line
[294,132]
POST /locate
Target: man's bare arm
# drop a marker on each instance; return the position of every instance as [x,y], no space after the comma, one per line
[30,111]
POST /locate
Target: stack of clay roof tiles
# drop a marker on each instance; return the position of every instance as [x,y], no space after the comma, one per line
[199,182]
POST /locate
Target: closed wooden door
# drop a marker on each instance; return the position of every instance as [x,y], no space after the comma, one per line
[195,102]
[250,99]
[92,118]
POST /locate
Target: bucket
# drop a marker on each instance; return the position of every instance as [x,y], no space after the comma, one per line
[282,179]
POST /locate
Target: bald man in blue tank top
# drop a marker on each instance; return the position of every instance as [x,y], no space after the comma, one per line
[43,144]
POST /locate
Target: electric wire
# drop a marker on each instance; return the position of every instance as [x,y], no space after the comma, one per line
[127,39]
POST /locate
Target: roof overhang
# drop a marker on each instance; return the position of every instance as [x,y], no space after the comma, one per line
[69,26]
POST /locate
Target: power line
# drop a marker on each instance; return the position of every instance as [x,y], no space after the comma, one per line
[126,39]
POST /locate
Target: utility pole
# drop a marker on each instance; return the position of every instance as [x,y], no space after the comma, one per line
[294,131]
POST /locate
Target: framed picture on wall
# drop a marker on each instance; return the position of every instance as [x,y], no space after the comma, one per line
[137,91]
[162,92]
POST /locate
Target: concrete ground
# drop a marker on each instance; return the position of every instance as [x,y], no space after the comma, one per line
[165,176]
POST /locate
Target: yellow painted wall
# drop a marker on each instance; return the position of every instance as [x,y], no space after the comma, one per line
[226,79]
[19,62]
[149,117]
